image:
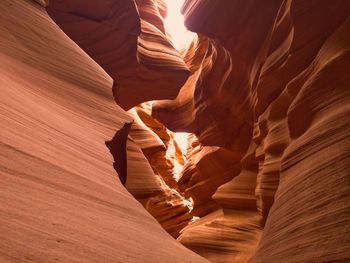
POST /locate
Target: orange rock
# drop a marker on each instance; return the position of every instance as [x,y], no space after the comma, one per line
[263,91]
[133,50]
[60,197]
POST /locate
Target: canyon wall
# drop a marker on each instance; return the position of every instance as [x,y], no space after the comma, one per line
[263,90]
[60,198]
[269,83]
[128,40]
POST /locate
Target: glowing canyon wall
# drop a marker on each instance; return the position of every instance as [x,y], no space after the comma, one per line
[93,90]
[60,198]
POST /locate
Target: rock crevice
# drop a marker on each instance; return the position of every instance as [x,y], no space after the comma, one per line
[262,90]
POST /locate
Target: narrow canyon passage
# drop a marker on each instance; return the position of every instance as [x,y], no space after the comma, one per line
[227,123]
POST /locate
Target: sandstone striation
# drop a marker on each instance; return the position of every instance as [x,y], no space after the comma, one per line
[156,184]
[272,76]
[128,40]
[60,197]
[263,91]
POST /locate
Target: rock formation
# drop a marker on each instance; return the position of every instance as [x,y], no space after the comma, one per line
[268,82]
[263,91]
[128,42]
[60,198]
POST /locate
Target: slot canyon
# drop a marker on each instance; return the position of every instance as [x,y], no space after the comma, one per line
[121,142]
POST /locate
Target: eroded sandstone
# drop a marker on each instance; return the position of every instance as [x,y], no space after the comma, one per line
[263,90]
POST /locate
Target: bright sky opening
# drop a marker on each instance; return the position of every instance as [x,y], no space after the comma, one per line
[181,139]
[174,23]
[181,37]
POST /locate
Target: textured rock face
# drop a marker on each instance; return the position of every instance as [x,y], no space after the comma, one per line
[263,89]
[128,40]
[272,76]
[60,198]
[156,184]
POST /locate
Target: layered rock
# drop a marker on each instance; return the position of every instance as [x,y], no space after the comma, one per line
[156,183]
[135,50]
[206,168]
[263,89]
[271,75]
[60,197]
[128,40]
[249,66]
[309,127]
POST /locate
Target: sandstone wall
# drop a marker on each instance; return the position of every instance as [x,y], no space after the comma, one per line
[269,82]
[60,198]
[263,89]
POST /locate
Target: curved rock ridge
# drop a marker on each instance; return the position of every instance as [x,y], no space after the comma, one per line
[60,199]
[44,3]
[206,168]
[248,66]
[203,106]
[232,230]
[263,91]
[129,41]
[156,186]
[272,76]
[315,161]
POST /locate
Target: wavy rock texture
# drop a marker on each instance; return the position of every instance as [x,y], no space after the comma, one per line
[155,183]
[128,40]
[60,198]
[197,179]
[263,89]
[136,51]
[272,76]
[44,3]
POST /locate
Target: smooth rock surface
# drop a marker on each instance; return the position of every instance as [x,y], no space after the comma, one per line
[60,198]
[262,90]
